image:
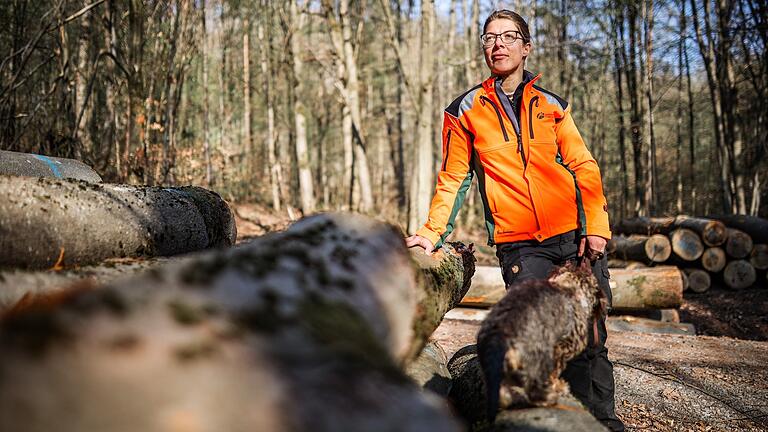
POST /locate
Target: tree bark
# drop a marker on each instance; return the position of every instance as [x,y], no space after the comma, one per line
[652,287]
[655,248]
[739,274]
[712,232]
[213,342]
[46,223]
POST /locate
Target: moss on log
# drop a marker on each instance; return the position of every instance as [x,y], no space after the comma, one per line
[47,222]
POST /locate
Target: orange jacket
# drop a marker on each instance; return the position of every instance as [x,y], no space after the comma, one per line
[537,179]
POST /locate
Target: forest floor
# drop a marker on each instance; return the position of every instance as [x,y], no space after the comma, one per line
[714,381]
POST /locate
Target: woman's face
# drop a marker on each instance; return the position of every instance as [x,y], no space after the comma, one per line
[503,59]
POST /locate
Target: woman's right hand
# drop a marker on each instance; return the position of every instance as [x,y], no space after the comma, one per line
[417,240]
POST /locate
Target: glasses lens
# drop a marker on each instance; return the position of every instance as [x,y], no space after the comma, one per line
[488,39]
[510,37]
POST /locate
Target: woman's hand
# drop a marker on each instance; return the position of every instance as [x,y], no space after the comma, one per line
[417,240]
[592,246]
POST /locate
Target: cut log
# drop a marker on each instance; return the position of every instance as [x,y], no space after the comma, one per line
[468,398]
[739,274]
[698,280]
[759,256]
[655,248]
[35,165]
[756,227]
[739,244]
[318,319]
[712,232]
[662,315]
[713,259]
[49,222]
[653,287]
[686,244]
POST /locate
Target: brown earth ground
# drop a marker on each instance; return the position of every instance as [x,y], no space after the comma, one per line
[715,381]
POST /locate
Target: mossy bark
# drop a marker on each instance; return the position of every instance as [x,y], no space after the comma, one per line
[300,330]
[50,222]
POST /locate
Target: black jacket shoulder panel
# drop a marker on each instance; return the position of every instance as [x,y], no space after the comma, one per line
[463,102]
[552,97]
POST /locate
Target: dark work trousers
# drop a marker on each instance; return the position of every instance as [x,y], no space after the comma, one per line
[589,374]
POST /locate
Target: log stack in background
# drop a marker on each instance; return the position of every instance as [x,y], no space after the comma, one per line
[732,249]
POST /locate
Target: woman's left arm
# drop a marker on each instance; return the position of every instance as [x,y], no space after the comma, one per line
[577,157]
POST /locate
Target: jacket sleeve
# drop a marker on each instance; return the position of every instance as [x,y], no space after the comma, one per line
[453,181]
[578,159]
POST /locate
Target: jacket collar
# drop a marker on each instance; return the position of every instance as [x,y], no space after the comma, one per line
[528,80]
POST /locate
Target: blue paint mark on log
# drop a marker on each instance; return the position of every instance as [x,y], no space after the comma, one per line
[51,164]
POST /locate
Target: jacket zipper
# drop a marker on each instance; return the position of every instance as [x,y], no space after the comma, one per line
[498,115]
[514,122]
[447,149]
[530,114]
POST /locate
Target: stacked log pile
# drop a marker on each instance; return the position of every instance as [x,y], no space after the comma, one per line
[732,249]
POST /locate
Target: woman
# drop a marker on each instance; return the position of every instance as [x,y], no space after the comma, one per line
[540,186]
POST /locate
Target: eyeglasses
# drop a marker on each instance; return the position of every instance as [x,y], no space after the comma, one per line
[508,38]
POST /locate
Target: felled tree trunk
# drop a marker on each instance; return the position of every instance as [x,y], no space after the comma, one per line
[739,244]
[430,369]
[686,244]
[655,248]
[653,287]
[739,274]
[712,232]
[300,330]
[34,165]
[756,227]
[713,259]
[487,287]
[46,222]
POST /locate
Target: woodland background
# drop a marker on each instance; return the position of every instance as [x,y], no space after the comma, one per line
[337,104]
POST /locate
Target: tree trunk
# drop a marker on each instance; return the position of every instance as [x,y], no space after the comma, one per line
[265,40]
[423,185]
[712,232]
[739,274]
[739,244]
[651,182]
[247,149]
[655,248]
[619,65]
[636,114]
[686,244]
[206,110]
[46,223]
[216,335]
[652,287]
[306,188]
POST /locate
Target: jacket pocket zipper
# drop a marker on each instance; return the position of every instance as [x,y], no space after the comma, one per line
[447,149]
[498,115]
[530,114]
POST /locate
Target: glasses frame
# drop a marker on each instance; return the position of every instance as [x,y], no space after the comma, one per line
[516,34]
